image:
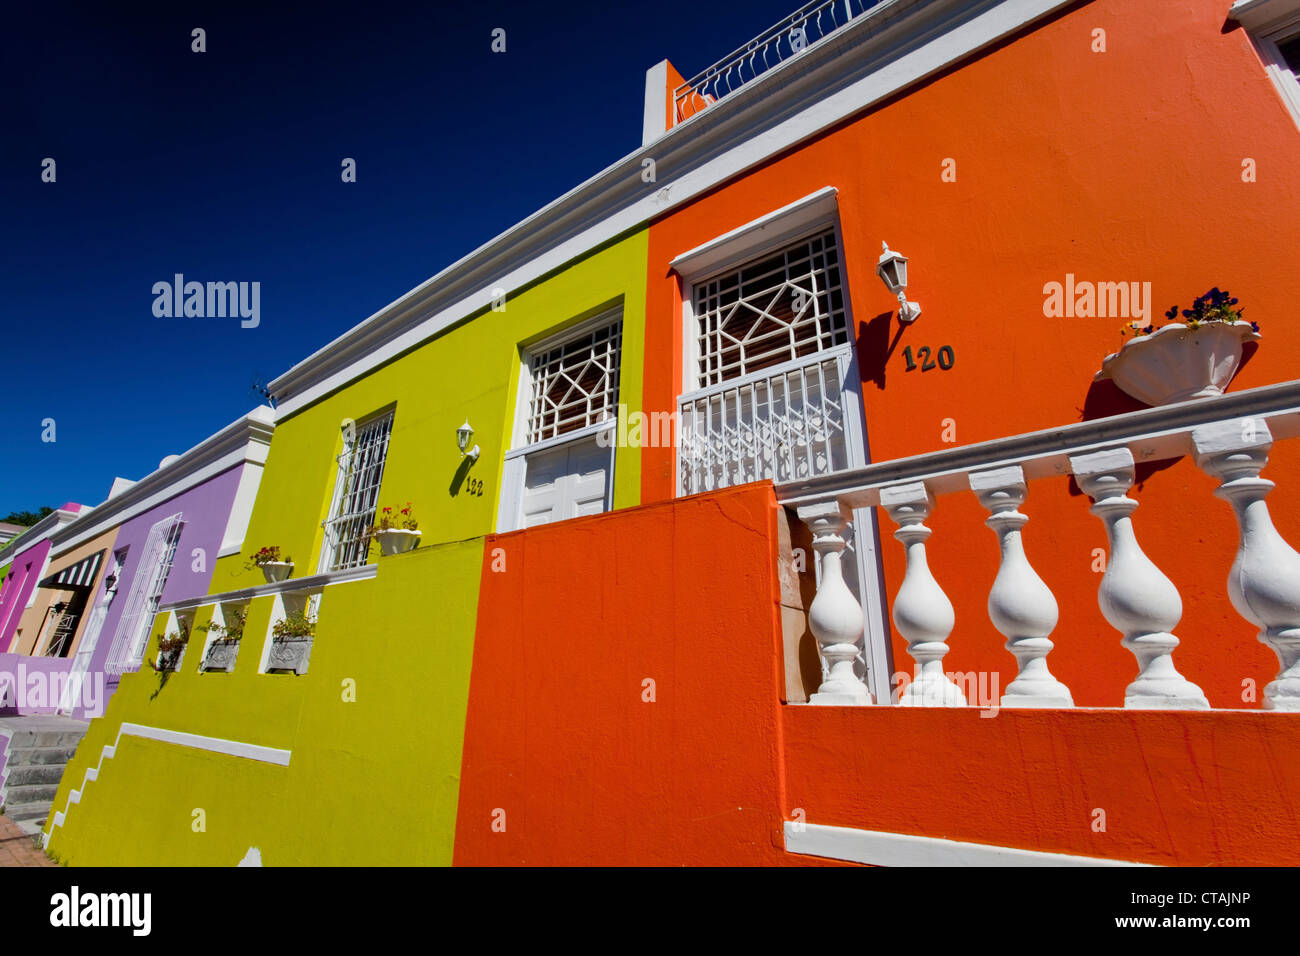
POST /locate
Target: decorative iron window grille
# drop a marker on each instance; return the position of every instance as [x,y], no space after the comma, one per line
[787,425]
[575,383]
[356,495]
[783,306]
[64,628]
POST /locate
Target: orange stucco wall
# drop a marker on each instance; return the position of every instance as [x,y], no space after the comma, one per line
[1206,789]
[558,735]
[562,746]
[1117,166]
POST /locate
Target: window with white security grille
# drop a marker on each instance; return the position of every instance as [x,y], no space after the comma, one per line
[559,467]
[774,373]
[356,495]
[574,383]
[156,557]
[784,305]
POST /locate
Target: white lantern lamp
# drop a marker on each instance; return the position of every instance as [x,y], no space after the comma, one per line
[463,435]
[892,269]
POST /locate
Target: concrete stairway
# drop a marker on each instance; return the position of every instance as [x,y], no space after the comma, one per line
[33,754]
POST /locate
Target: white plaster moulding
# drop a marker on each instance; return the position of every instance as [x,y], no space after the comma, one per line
[578,434]
[312,583]
[220,745]
[880,848]
[1266,15]
[246,440]
[765,232]
[47,527]
[891,47]
[1153,434]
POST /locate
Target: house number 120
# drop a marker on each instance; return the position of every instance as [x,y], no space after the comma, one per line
[945,358]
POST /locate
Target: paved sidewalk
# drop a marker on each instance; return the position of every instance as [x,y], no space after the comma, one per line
[17,848]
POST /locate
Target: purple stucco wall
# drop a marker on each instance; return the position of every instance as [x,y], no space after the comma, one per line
[32,685]
[26,568]
[206,510]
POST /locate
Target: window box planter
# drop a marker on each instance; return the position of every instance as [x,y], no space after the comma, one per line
[290,654]
[275,571]
[397,540]
[169,660]
[1177,363]
[221,656]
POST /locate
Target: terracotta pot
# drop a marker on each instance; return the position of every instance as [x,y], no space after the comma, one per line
[1177,364]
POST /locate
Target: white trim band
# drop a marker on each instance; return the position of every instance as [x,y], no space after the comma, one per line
[879,848]
[231,748]
[313,583]
[216,745]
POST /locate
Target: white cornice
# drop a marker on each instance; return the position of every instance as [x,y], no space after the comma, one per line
[244,440]
[47,527]
[1266,16]
[891,47]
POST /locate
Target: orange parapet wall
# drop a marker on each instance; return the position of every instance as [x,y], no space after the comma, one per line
[569,752]
[625,707]
[1186,789]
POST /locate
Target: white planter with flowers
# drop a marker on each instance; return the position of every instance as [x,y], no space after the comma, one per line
[1182,361]
[396,531]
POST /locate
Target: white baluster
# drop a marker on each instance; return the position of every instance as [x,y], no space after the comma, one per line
[1135,596]
[835,617]
[922,612]
[1021,605]
[1264,583]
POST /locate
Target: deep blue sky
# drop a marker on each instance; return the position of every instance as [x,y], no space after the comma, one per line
[225,166]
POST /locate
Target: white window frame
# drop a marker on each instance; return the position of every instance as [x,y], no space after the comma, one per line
[329,547]
[515,469]
[1268,23]
[813,214]
[153,568]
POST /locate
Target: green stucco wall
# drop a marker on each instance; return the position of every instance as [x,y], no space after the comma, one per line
[373,780]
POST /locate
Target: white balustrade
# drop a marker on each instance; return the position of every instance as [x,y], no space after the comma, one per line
[922,612]
[1230,438]
[835,617]
[1264,583]
[1021,605]
[1135,596]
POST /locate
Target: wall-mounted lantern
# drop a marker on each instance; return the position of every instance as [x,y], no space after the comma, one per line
[892,269]
[110,583]
[463,435]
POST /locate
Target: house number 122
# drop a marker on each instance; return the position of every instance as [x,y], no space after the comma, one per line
[945,358]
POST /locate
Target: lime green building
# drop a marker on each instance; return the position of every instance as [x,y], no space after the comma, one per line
[351,751]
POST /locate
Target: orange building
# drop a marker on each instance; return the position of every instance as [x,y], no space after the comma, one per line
[1059,175]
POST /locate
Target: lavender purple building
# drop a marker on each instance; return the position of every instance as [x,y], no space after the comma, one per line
[153,541]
